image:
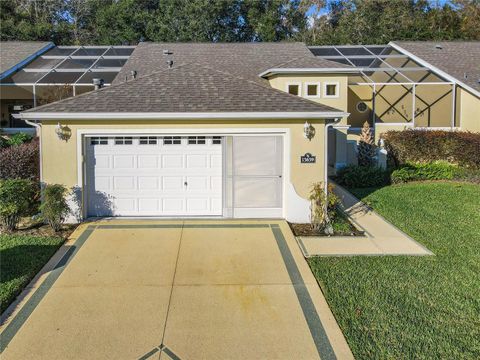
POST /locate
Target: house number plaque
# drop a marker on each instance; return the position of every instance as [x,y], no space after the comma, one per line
[308,159]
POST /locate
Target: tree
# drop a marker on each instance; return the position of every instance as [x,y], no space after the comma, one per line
[366,146]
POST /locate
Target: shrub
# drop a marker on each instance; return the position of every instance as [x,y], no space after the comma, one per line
[425,146]
[366,146]
[355,176]
[21,161]
[3,142]
[54,206]
[323,208]
[418,172]
[16,196]
[18,139]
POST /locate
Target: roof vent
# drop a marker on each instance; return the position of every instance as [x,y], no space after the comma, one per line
[170,63]
[134,74]
[167,52]
[465,76]
[98,83]
[438,46]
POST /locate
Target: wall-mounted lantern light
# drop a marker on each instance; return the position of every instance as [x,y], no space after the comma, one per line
[63,132]
[308,131]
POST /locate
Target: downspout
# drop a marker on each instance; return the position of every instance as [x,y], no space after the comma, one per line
[325,180]
[39,132]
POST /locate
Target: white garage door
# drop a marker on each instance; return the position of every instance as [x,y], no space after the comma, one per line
[154,176]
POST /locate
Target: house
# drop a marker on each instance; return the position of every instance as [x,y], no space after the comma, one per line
[243,129]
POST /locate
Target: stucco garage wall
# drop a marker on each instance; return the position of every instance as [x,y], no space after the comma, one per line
[59,158]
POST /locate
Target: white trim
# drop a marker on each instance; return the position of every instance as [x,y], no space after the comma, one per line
[295,208]
[181,116]
[434,68]
[278,71]
[325,84]
[307,84]
[298,83]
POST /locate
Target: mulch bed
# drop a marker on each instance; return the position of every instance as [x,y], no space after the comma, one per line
[307,230]
[29,228]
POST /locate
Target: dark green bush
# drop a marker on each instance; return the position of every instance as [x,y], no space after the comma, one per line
[425,146]
[54,205]
[354,176]
[3,142]
[16,197]
[420,172]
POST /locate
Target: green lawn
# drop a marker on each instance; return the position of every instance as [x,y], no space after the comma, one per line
[21,257]
[413,307]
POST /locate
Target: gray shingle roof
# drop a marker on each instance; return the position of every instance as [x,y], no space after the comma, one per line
[14,52]
[246,60]
[185,88]
[456,58]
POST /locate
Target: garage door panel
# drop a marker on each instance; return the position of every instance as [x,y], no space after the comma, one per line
[129,179]
[123,161]
[147,161]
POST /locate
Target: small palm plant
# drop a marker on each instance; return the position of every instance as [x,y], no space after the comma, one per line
[366,146]
[323,207]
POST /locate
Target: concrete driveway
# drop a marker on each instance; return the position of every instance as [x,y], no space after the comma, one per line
[177,290]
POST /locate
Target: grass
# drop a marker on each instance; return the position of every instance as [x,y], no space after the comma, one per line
[21,257]
[399,307]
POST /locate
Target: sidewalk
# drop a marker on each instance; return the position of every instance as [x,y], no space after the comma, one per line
[381,237]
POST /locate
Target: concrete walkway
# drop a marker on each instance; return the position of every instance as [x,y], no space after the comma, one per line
[176,290]
[381,237]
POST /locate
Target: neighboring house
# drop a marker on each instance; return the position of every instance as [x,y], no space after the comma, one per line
[34,73]
[220,129]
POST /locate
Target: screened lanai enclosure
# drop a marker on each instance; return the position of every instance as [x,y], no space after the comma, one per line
[57,73]
[393,88]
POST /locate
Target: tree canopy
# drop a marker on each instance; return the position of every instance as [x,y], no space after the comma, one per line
[117,22]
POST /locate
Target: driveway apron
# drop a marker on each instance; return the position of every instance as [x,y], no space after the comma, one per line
[178,290]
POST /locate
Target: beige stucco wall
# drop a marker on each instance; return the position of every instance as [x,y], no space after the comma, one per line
[59,158]
[469,111]
[341,102]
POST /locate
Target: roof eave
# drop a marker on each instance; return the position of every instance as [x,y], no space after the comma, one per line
[181,116]
[434,68]
[275,71]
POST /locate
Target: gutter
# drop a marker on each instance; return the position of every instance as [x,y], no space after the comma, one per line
[39,132]
[275,71]
[181,116]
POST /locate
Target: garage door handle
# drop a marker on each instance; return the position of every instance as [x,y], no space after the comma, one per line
[185,183]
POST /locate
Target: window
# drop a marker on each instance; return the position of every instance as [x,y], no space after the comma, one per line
[196,140]
[125,140]
[98,141]
[312,90]
[362,107]
[294,88]
[217,140]
[330,90]
[148,140]
[172,140]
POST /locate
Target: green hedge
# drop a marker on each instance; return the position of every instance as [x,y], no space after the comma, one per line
[424,146]
[420,172]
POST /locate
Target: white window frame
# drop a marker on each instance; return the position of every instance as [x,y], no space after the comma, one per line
[318,84]
[287,85]
[325,84]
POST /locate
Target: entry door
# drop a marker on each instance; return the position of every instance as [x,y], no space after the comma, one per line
[154,176]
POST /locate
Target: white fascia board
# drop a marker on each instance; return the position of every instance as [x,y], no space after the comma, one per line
[434,69]
[308,71]
[181,116]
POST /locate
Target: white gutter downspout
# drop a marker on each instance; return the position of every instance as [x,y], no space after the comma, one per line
[39,133]
[325,181]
